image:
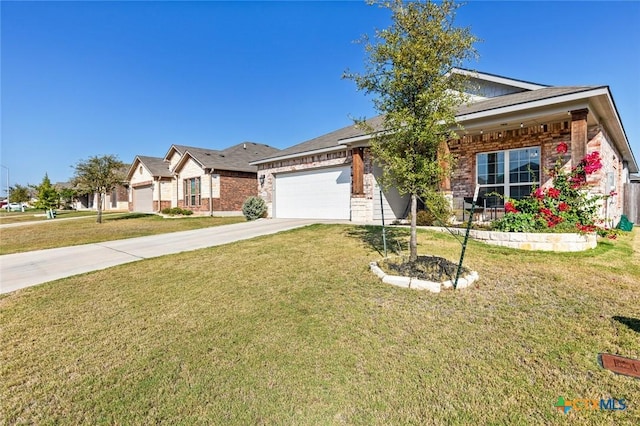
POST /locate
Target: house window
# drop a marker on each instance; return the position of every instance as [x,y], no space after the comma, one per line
[192,192]
[512,174]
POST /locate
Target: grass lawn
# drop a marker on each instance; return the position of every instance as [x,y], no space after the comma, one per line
[59,233]
[33,215]
[294,329]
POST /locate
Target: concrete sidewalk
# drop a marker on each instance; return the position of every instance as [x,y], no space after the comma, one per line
[22,270]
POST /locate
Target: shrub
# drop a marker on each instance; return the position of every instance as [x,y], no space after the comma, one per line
[437,210]
[176,211]
[254,208]
[565,206]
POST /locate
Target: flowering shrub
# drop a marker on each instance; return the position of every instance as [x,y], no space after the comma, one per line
[565,207]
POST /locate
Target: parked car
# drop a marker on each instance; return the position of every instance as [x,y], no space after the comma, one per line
[14,207]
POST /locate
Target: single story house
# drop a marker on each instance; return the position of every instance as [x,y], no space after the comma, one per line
[115,200]
[150,184]
[208,182]
[511,130]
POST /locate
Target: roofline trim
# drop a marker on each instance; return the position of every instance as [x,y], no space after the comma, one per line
[500,79]
[299,154]
[533,104]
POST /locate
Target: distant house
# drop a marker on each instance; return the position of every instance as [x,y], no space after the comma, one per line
[150,185]
[118,199]
[511,130]
[208,182]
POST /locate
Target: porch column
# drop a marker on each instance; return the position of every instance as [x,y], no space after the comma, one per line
[357,172]
[578,135]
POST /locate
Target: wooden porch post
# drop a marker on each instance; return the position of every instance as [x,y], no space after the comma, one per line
[357,171]
[578,135]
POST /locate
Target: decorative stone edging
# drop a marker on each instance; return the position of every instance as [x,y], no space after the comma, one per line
[418,284]
[532,241]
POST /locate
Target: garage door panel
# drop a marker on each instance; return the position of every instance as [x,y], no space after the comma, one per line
[314,194]
[143,199]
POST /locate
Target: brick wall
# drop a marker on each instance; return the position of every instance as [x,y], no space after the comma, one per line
[464,151]
[599,141]
[546,137]
[203,208]
[235,188]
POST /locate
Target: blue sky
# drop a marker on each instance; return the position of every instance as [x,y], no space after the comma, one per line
[126,78]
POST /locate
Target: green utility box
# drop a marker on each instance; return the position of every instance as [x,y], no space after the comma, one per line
[625,224]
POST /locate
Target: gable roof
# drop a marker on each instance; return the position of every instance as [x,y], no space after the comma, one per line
[155,165]
[494,78]
[235,158]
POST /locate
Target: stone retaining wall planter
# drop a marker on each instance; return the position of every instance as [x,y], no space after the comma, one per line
[531,241]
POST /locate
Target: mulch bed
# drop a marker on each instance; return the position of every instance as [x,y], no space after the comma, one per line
[431,268]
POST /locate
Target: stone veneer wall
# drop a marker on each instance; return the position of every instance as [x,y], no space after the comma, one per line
[361,210]
[532,241]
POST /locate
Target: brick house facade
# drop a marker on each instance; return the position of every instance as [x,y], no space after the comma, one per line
[207,182]
[511,129]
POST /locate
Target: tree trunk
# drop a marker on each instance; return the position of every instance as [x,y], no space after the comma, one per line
[99,219]
[413,241]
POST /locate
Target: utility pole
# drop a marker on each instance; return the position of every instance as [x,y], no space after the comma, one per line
[8,185]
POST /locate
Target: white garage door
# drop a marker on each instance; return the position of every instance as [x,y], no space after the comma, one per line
[314,194]
[143,199]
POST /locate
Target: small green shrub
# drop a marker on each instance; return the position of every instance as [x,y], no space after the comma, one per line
[424,218]
[437,210]
[254,208]
[176,211]
[522,222]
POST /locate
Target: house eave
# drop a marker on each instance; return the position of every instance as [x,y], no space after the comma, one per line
[598,100]
[500,80]
[338,147]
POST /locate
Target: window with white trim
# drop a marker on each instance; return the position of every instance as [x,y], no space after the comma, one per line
[522,173]
[192,192]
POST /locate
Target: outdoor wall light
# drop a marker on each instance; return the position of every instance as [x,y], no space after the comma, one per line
[261,180]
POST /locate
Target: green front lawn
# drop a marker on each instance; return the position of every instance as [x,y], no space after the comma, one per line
[294,329]
[34,215]
[61,233]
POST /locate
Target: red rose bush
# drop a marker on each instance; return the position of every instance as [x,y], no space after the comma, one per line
[566,206]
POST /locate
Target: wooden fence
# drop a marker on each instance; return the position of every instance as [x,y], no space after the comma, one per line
[631,207]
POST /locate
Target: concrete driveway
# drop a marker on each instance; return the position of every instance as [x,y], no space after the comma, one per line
[22,270]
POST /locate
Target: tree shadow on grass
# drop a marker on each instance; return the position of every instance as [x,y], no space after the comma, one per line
[127,216]
[632,323]
[397,238]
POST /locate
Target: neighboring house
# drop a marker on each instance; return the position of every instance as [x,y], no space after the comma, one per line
[118,199]
[211,182]
[150,185]
[511,130]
